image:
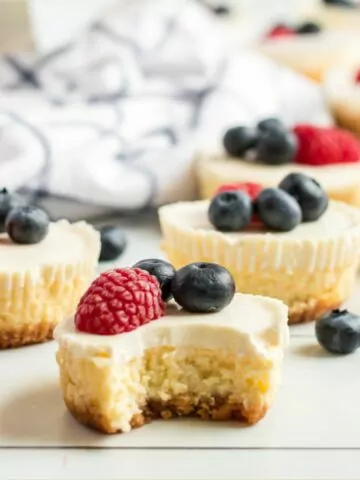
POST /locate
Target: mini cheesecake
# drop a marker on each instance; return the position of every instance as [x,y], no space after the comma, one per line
[217,366]
[312,54]
[311,268]
[342,91]
[41,283]
[340,181]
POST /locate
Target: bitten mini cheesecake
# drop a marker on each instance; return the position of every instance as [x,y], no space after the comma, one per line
[45,267]
[127,358]
[270,151]
[288,243]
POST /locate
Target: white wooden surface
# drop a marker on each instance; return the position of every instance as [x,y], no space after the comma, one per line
[312,432]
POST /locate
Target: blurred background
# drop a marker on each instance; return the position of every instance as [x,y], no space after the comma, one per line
[106,104]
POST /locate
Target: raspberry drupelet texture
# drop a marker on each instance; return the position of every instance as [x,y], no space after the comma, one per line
[252,189]
[320,146]
[119,301]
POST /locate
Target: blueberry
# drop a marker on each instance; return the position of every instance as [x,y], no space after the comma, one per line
[238,140]
[276,146]
[203,287]
[341,3]
[278,210]
[308,27]
[230,211]
[162,270]
[339,332]
[8,201]
[311,197]
[27,225]
[221,9]
[113,242]
[270,124]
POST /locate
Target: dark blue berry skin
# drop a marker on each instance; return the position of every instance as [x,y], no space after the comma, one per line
[162,270]
[27,225]
[203,287]
[221,9]
[270,124]
[8,201]
[309,194]
[278,210]
[339,332]
[276,146]
[230,211]
[340,3]
[113,242]
[308,27]
[238,140]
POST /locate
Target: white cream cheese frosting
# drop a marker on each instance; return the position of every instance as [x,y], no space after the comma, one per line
[250,325]
[228,170]
[340,84]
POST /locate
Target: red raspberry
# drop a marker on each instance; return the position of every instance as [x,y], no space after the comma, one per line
[252,189]
[357,77]
[119,301]
[281,31]
[319,146]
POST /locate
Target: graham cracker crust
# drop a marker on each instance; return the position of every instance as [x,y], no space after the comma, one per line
[26,334]
[209,408]
[314,309]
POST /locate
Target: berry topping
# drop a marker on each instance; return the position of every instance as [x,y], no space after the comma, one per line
[162,270]
[203,287]
[230,211]
[308,27]
[280,31]
[308,193]
[269,124]
[238,140]
[278,210]
[221,9]
[119,301]
[113,242]
[8,201]
[319,146]
[276,146]
[252,189]
[27,225]
[357,77]
[339,332]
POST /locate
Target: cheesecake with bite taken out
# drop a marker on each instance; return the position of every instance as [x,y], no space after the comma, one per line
[45,267]
[127,357]
[269,152]
[288,242]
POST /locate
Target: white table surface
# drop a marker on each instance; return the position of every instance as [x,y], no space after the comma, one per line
[312,432]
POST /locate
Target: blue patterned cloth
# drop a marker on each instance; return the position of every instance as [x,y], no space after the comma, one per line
[115,118]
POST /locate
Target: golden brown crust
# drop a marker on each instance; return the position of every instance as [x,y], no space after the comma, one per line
[210,408]
[346,116]
[26,334]
[312,310]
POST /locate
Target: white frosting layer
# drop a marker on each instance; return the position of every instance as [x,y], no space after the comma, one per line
[228,170]
[250,325]
[65,244]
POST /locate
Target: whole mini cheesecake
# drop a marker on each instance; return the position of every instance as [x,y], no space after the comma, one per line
[310,49]
[270,151]
[127,358]
[45,267]
[288,243]
[342,90]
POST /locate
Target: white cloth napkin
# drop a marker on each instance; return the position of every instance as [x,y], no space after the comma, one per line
[114,118]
